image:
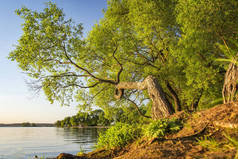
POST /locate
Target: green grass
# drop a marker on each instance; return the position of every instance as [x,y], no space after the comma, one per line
[209,143]
[214,145]
[232,142]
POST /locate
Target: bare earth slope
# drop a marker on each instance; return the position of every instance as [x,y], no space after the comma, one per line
[212,133]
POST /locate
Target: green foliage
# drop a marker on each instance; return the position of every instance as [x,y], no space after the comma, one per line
[27,124]
[230,52]
[205,25]
[216,145]
[118,136]
[94,118]
[128,114]
[209,143]
[177,41]
[233,141]
[160,128]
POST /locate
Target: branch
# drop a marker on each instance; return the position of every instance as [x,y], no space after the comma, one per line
[121,67]
[85,70]
[91,86]
[142,64]
[137,108]
[67,74]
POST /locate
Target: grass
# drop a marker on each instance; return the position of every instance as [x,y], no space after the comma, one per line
[232,142]
[209,143]
[214,145]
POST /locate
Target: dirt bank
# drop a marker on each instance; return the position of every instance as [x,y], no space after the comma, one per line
[212,133]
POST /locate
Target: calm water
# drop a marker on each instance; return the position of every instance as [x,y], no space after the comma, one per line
[25,142]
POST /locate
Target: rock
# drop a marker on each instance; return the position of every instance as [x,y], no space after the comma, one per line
[69,156]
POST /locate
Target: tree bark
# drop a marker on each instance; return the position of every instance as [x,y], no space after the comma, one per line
[161,107]
[230,86]
[175,97]
[196,101]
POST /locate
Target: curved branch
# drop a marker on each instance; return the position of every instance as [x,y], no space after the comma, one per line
[128,85]
[67,74]
[91,86]
[85,70]
[137,108]
[121,67]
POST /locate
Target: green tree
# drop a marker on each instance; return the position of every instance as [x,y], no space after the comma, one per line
[51,50]
[204,26]
[62,123]
[165,47]
[58,123]
[74,121]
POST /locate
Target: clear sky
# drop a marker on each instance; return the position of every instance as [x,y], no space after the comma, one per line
[17,102]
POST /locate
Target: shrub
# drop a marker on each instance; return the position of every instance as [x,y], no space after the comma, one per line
[160,128]
[118,136]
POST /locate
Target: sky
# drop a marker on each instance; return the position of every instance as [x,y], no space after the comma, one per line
[17,103]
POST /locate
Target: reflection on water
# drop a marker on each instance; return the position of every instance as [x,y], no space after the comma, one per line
[22,143]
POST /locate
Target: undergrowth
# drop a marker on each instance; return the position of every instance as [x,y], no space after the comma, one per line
[209,143]
[160,128]
[121,134]
[212,144]
[118,136]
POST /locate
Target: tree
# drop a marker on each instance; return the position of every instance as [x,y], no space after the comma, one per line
[74,121]
[165,47]
[207,26]
[52,51]
[58,123]
[229,91]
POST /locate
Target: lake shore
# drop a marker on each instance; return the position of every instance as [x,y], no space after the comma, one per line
[21,125]
[201,137]
[89,127]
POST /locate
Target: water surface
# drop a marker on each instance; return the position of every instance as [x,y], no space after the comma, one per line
[25,142]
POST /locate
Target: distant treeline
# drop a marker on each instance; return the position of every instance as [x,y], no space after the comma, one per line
[27,124]
[99,118]
[94,118]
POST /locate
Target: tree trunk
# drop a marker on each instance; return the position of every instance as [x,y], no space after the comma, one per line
[175,97]
[230,86]
[161,107]
[196,101]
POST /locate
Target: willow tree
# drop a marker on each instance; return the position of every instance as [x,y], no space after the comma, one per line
[153,45]
[52,51]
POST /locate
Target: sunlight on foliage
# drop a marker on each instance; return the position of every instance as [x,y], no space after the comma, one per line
[209,143]
[118,135]
[162,127]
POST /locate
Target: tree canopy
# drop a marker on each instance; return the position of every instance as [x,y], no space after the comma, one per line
[175,41]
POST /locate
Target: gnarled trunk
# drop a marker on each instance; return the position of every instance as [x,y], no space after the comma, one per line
[161,107]
[230,86]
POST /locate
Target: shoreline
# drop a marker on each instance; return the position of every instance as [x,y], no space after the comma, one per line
[87,127]
[48,125]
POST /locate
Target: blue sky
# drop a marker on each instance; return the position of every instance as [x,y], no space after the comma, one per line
[17,102]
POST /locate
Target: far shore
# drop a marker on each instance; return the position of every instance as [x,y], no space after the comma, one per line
[47,125]
[35,125]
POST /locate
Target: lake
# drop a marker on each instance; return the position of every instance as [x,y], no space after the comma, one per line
[26,142]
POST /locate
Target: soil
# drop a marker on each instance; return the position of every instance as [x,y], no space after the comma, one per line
[220,124]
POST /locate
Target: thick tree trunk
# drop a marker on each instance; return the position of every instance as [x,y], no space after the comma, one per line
[161,107]
[230,86]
